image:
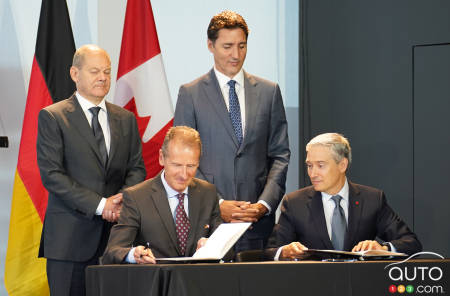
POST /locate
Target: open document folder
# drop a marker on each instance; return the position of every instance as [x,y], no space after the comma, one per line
[361,255]
[217,245]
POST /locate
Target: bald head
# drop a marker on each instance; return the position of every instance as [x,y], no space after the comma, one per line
[83,51]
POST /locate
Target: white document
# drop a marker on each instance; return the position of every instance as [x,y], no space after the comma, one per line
[221,241]
[218,244]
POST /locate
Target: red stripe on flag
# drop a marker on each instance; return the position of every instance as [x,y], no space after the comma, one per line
[139,28]
[38,98]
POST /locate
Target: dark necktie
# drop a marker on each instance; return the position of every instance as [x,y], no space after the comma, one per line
[98,134]
[235,111]
[182,224]
[338,224]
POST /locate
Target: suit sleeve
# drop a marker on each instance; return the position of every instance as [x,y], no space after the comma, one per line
[50,151]
[278,153]
[391,228]
[135,168]
[284,232]
[216,219]
[124,233]
[185,115]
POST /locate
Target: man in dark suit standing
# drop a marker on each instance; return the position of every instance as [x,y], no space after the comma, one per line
[171,214]
[335,213]
[242,123]
[88,151]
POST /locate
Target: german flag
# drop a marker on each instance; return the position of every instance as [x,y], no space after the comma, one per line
[49,82]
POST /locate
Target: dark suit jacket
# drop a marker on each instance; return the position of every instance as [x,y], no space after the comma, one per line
[72,172]
[146,217]
[302,219]
[255,170]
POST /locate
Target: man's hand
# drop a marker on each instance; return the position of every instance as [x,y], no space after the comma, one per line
[249,213]
[369,245]
[201,242]
[113,205]
[293,251]
[144,255]
[230,207]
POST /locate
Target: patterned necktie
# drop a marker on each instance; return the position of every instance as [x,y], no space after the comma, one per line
[98,134]
[235,111]
[338,224]
[182,224]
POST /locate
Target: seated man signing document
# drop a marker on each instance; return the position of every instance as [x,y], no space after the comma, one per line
[336,214]
[169,215]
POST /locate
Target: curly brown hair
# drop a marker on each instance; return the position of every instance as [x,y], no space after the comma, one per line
[226,20]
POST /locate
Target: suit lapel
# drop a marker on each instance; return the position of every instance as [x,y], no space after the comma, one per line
[114,128]
[214,95]
[355,205]
[316,207]
[194,213]
[76,116]
[251,107]
[159,197]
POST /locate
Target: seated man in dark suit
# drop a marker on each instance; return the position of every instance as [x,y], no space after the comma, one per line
[171,214]
[335,213]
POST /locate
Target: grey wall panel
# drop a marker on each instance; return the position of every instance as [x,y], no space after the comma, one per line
[431,146]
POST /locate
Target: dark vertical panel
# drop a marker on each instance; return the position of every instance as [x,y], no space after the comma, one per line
[359,80]
[431,146]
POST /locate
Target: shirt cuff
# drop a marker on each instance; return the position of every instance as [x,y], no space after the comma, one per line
[277,254]
[100,207]
[221,201]
[130,256]
[269,209]
[391,247]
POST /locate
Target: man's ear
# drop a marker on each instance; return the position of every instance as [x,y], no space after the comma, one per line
[161,158]
[74,74]
[343,165]
[210,45]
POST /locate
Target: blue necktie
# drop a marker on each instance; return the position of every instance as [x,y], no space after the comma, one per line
[338,224]
[98,134]
[235,111]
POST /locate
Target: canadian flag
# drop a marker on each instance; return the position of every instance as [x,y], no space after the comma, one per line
[141,81]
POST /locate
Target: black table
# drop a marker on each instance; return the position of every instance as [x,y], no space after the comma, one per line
[269,278]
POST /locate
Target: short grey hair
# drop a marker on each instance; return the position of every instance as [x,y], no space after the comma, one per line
[186,135]
[339,145]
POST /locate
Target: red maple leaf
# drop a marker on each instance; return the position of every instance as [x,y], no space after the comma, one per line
[150,149]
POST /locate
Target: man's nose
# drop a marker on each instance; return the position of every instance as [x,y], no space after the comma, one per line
[312,172]
[235,52]
[184,172]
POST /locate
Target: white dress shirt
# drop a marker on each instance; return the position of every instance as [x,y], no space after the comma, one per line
[329,205]
[172,196]
[103,120]
[240,91]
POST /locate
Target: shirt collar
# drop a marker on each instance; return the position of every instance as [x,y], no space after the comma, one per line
[86,104]
[223,79]
[343,192]
[169,190]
